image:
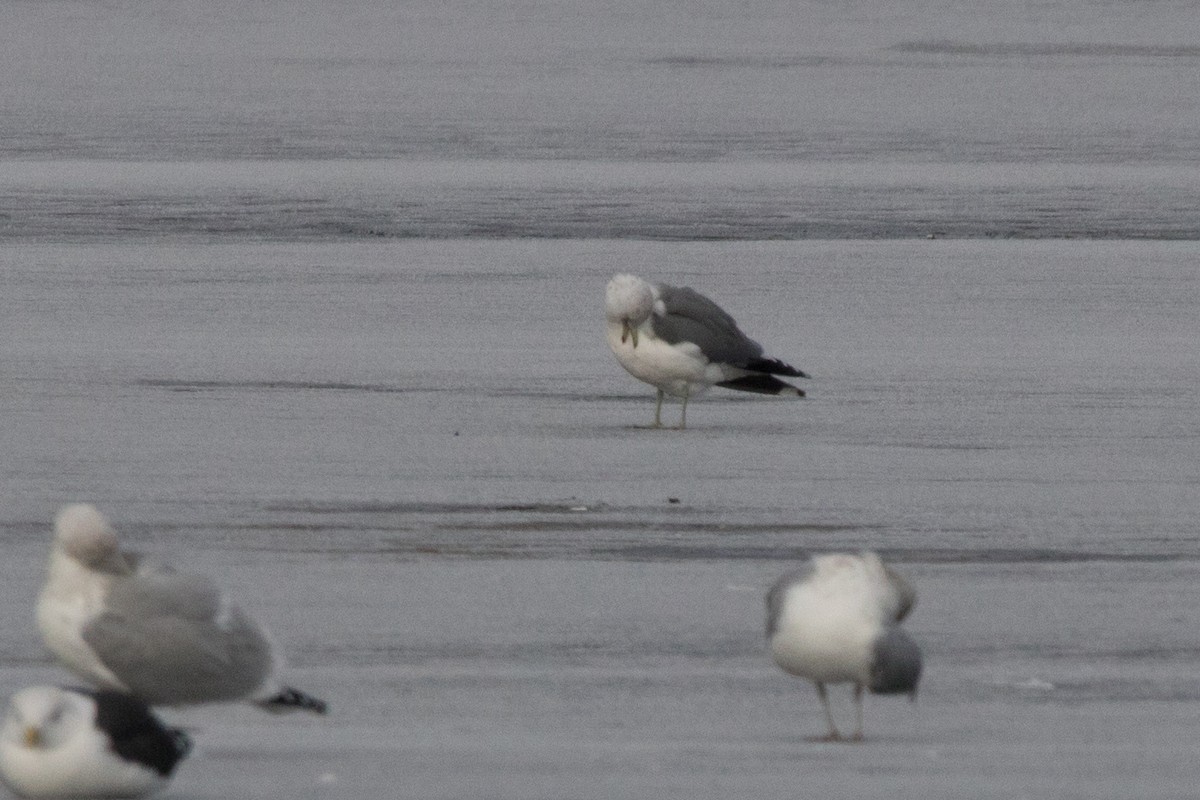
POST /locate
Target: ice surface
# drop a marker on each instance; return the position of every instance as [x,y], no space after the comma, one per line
[931,79]
[308,297]
[755,199]
[673,120]
[418,462]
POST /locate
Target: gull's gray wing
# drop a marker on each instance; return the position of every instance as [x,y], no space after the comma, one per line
[906,595]
[174,638]
[691,317]
[777,594]
[158,589]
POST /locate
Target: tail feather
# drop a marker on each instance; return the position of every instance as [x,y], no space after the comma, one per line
[289,699]
[762,384]
[773,366]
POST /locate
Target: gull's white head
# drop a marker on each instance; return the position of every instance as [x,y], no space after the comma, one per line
[84,534]
[628,302]
[44,718]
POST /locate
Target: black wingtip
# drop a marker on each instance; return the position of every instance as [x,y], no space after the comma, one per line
[182,741]
[773,366]
[290,699]
[761,384]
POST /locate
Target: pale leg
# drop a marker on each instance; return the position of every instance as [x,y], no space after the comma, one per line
[683,413]
[858,713]
[658,410]
[833,735]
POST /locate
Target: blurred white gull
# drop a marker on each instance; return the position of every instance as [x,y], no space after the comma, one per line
[171,638]
[837,621]
[681,343]
[59,742]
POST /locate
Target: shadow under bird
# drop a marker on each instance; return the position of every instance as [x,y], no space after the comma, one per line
[68,742]
[837,620]
[130,624]
[680,342]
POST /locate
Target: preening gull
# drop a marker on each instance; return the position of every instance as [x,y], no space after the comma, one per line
[681,343]
[66,742]
[837,621]
[129,624]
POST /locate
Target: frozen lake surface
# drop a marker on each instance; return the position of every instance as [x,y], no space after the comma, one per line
[419,463]
[311,301]
[671,120]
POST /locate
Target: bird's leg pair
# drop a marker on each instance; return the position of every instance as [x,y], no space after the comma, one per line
[834,735]
[658,412]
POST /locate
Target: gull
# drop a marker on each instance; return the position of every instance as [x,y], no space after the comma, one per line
[68,742]
[126,623]
[836,620]
[681,343]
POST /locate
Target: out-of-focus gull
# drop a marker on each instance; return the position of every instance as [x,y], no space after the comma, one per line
[66,742]
[836,620]
[681,343]
[126,623]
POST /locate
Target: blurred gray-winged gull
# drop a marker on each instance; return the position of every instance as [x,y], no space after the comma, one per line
[681,343]
[837,621]
[68,742]
[126,623]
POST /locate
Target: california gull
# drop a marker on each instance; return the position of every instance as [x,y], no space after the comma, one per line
[681,343]
[67,742]
[837,621]
[127,623]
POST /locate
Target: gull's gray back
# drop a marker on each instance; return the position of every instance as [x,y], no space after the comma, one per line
[905,593]
[692,317]
[171,639]
[156,589]
[777,595]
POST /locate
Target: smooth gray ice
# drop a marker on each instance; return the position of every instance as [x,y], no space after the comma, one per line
[313,298]
[857,119]
[502,589]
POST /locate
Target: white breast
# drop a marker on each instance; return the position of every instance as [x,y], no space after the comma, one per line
[829,622]
[71,597]
[822,646]
[678,370]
